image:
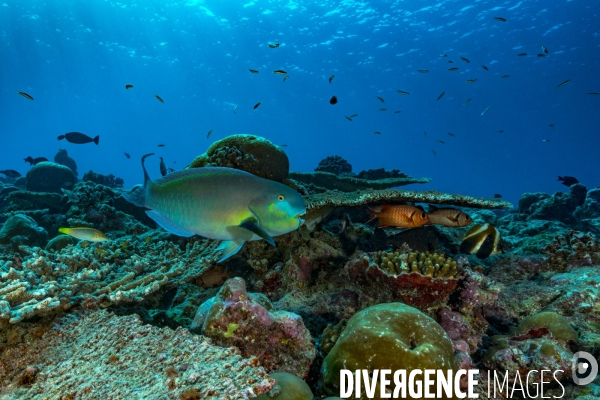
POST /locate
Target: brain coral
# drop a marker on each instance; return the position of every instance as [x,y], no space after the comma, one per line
[250,153]
[388,336]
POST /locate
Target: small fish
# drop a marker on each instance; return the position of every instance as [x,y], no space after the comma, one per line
[424,133]
[28,97]
[257,105]
[83,245]
[451,134]
[349,119]
[127,87]
[453,69]
[344,222]
[467,102]
[285,78]
[568,181]
[79,138]
[484,111]
[209,133]
[124,245]
[505,76]
[85,233]
[443,55]
[451,62]
[497,196]
[441,95]
[100,252]
[163,167]
[226,204]
[564,83]
[171,170]
[423,71]
[545,140]
[481,240]
[501,131]
[465,59]
[400,216]
[383,109]
[253,71]
[158,98]
[484,67]
[354,115]
[377,133]
[148,239]
[541,55]
[551,125]
[471,80]
[433,151]
[127,155]
[500,19]
[331,78]
[333,100]
[441,141]
[283,145]
[380,99]
[544,49]
[593,93]
[402,92]
[72,196]
[11,173]
[397,111]
[235,109]
[160,145]
[449,217]
[279,72]
[35,161]
[273,45]
[522,55]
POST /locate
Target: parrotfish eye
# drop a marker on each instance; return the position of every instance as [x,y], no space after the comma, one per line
[280,197]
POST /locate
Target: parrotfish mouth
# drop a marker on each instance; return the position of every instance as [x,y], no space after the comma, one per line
[300,220]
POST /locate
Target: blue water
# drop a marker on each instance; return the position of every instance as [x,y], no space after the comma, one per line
[75,58]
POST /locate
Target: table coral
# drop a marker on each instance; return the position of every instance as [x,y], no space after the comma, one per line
[330,181]
[250,153]
[119,271]
[99,355]
[248,321]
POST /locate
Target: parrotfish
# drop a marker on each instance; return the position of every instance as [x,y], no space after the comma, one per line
[85,233]
[220,203]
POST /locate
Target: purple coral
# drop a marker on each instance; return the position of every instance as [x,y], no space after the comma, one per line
[248,321]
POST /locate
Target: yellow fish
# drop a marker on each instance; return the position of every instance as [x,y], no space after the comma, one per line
[85,233]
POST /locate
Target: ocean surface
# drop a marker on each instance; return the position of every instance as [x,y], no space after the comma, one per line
[75,58]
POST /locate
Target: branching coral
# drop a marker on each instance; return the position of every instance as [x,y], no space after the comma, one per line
[112,273]
[434,265]
[334,165]
[99,355]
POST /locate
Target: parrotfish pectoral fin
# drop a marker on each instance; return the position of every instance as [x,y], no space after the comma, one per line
[229,247]
[251,225]
[168,225]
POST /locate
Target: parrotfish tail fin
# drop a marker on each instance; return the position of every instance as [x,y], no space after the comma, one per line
[136,196]
[97,139]
[146,176]
[229,247]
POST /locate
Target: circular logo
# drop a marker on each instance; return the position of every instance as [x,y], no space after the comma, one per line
[584,367]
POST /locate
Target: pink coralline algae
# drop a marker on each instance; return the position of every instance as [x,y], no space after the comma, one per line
[248,321]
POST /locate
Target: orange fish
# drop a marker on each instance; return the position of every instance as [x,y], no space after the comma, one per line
[401,216]
[447,217]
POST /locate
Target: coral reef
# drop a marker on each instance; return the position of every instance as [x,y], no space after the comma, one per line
[322,181]
[575,249]
[380,173]
[422,280]
[22,229]
[248,321]
[114,272]
[24,200]
[100,355]
[250,153]
[388,336]
[106,180]
[50,177]
[62,158]
[334,165]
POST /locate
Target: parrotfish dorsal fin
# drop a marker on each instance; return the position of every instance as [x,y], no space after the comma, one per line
[201,171]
